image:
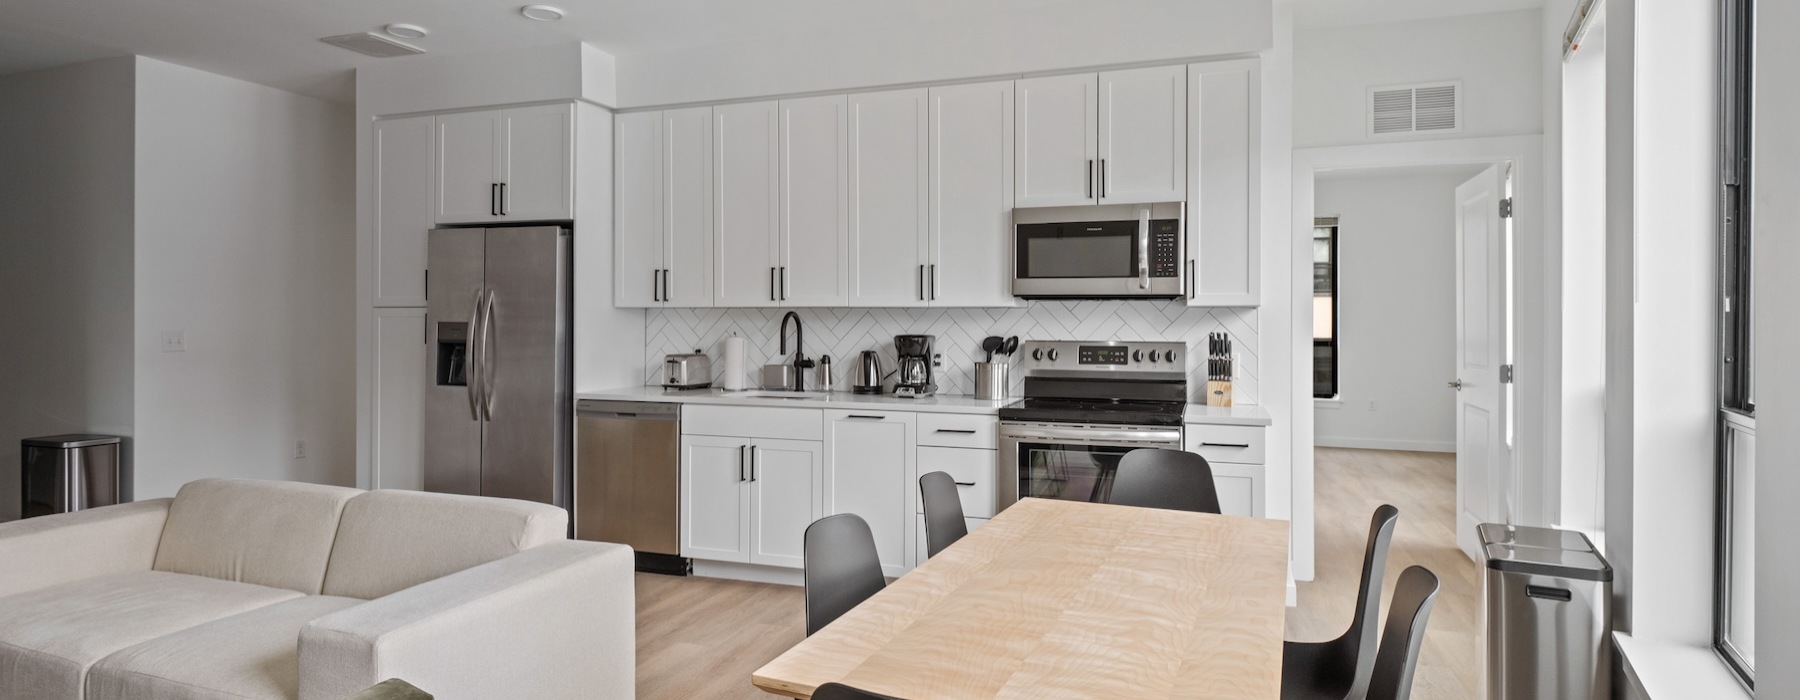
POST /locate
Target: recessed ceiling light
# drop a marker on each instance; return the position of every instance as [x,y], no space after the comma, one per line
[542,13]
[407,31]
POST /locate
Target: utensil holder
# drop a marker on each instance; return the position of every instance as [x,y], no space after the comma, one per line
[990,380]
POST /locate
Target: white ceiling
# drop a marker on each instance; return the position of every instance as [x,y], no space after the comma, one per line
[275,42]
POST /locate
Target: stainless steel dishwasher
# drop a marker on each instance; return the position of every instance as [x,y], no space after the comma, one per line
[628,479]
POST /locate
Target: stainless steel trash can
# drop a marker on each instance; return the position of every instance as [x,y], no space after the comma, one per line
[1548,597]
[63,473]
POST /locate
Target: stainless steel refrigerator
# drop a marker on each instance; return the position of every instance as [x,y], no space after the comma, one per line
[497,406]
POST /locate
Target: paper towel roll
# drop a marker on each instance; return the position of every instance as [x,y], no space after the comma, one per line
[735,370]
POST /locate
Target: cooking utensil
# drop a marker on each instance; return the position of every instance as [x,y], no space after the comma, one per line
[1009,347]
[990,344]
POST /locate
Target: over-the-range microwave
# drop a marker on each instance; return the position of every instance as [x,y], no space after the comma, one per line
[1111,251]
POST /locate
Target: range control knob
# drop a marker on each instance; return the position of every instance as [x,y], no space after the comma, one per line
[1037,354]
[1155,356]
[1053,354]
[1170,356]
[1137,356]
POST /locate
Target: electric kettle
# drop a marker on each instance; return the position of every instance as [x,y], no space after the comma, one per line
[866,379]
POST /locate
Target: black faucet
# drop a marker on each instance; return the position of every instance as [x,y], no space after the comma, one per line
[801,364]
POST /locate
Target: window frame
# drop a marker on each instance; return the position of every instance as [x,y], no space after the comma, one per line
[1334,343]
[1737,405]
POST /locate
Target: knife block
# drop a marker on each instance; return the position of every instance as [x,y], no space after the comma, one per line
[1218,393]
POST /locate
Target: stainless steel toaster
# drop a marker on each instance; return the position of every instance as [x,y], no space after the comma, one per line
[688,370]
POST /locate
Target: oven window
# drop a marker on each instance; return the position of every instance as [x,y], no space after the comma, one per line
[1068,472]
[1097,250]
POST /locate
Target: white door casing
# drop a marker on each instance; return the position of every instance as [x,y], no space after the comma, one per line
[1482,457]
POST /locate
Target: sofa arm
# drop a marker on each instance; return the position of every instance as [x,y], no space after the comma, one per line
[56,549]
[556,621]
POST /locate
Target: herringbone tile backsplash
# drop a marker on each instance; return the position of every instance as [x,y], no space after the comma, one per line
[845,333]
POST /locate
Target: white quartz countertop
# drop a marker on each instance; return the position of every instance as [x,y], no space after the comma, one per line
[943,403]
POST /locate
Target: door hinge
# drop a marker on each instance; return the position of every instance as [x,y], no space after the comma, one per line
[1506,208]
[1506,374]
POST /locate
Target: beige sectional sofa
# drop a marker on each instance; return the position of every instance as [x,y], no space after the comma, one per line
[253,589]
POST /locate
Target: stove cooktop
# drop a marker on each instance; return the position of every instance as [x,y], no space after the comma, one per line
[1094,411]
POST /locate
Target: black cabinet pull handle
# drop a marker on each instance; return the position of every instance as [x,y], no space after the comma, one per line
[771,284]
[958,432]
[965,483]
[665,284]
[1090,178]
[493,199]
[862,417]
[1226,444]
[741,462]
[655,285]
[503,198]
[783,283]
[1103,187]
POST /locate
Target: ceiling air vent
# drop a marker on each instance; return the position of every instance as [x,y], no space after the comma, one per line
[372,44]
[1412,109]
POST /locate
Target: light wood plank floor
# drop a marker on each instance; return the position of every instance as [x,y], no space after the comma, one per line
[701,638]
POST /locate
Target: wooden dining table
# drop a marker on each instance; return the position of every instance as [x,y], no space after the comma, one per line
[1060,599]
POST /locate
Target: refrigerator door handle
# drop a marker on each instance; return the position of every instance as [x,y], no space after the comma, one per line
[487,360]
[472,378]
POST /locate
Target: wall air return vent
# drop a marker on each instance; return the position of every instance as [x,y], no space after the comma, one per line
[1415,109]
[372,44]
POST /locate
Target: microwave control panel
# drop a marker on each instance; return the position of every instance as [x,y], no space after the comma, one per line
[1165,248]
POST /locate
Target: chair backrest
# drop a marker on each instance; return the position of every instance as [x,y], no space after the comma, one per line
[943,512]
[1167,479]
[1359,641]
[1404,633]
[839,691]
[842,568]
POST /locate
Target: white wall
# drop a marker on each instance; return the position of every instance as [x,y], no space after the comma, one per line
[245,243]
[1397,309]
[1058,35]
[65,257]
[1583,279]
[1496,56]
[1777,254]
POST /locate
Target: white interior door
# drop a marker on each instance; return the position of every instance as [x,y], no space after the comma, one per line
[1481,453]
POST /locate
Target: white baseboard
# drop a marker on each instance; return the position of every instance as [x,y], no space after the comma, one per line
[1378,444]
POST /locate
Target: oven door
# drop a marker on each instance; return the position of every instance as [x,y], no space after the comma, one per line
[1069,462]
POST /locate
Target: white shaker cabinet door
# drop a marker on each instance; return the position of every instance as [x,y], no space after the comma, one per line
[1143,135]
[746,204]
[1224,242]
[814,257]
[715,498]
[687,207]
[1057,140]
[537,167]
[468,167]
[402,165]
[637,209]
[398,406]
[888,199]
[871,457]
[786,486]
[971,186]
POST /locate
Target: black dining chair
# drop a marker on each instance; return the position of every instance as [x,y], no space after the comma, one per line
[944,523]
[841,568]
[1340,668]
[1403,634]
[839,691]
[1167,479]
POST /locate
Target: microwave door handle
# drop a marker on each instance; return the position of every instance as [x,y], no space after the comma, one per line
[1144,248]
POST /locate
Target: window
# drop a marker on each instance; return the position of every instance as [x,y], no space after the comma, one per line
[1325,308]
[1734,619]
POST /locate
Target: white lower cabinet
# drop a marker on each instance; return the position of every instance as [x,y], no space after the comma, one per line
[1239,481]
[786,484]
[398,405]
[870,458]
[749,500]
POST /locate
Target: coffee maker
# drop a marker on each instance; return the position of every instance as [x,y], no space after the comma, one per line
[914,376]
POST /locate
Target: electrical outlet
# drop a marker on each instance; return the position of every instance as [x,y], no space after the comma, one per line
[1371,405]
[174,341]
[299,449]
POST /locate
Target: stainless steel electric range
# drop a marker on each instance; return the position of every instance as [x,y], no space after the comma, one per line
[1085,405]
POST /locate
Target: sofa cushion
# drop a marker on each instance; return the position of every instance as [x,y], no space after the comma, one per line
[392,540]
[51,636]
[248,655]
[270,533]
[53,549]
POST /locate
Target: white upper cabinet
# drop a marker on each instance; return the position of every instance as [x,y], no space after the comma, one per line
[1143,135]
[1224,242]
[468,162]
[814,258]
[506,165]
[687,207]
[537,165]
[1058,140]
[746,182]
[637,209]
[403,215]
[971,184]
[888,239]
